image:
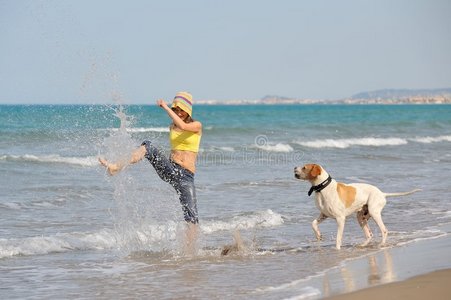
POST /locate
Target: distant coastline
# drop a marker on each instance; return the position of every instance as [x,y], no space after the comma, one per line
[382,97]
[387,96]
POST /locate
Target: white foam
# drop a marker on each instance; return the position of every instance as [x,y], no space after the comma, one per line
[306,293]
[346,143]
[445,215]
[371,142]
[303,293]
[11,205]
[280,147]
[58,243]
[227,149]
[137,129]
[88,161]
[430,139]
[421,239]
[143,237]
[266,218]
[149,129]
[219,149]
[420,235]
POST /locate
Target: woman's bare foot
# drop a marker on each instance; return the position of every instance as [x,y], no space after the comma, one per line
[111,168]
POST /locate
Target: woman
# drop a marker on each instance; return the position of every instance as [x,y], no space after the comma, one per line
[184,136]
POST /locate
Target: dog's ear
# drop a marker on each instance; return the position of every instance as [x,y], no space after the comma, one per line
[316,171]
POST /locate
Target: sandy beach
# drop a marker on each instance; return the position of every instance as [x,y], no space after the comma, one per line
[418,270]
[435,285]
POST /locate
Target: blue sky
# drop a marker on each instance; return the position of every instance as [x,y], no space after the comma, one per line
[89,51]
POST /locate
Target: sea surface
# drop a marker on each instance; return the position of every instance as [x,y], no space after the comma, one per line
[68,230]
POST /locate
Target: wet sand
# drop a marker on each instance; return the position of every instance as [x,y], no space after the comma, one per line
[418,270]
[435,285]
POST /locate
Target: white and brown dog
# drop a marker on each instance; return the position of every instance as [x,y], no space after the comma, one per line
[338,200]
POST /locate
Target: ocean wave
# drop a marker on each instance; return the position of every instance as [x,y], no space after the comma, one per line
[88,161]
[59,243]
[307,292]
[430,139]
[266,218]
[218,149]
[370,142]
[143,129]
[155,237]
[346,143]
[11,205]
[148,129]
[279,147]
[404,238]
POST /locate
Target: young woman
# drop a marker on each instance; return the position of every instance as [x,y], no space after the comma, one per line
[178,170]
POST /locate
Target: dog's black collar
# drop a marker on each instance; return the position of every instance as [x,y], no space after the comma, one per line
[318,188]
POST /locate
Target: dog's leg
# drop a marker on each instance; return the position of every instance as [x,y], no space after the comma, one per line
[315,227]
[378,219]
[362,217]
[341,227]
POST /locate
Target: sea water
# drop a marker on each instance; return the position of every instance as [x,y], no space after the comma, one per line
[69,230]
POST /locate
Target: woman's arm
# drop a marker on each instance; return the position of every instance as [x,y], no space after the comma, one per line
[195,126]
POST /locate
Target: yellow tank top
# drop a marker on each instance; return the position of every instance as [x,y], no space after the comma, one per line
[184,140]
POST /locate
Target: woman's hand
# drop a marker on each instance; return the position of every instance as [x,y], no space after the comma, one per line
[161,103]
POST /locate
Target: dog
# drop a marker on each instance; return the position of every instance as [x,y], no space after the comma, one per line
[338,200]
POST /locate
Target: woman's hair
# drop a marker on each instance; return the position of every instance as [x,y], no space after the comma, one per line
[188,119]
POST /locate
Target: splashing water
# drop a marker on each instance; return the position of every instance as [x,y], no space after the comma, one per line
[136,204]
[120,144]
[117,147]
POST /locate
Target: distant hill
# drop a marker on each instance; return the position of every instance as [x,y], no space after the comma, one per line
[401,93]
[385,96]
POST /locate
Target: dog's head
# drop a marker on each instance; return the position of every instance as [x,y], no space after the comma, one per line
[308,172]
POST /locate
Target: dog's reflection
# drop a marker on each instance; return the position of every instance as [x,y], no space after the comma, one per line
[378,273]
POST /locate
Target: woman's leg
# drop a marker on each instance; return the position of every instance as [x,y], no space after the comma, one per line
[114,168]
[187,196]
[181,179]
[191,234]
[183,182]
[187,193]
[162,165]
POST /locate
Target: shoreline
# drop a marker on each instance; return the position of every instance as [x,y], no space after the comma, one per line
[417,270]
[435,285]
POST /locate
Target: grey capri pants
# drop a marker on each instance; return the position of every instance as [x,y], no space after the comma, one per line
[180,178]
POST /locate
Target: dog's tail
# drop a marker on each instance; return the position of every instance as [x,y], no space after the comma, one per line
[401,194]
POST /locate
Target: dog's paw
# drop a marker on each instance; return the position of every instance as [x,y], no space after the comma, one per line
[365,243]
